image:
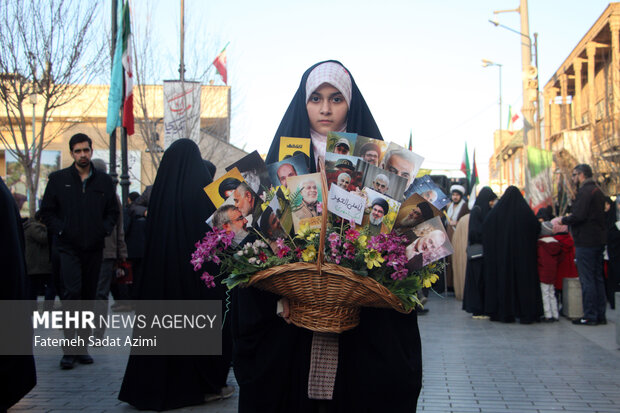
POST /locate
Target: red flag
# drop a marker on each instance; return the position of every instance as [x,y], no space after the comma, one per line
[220,64]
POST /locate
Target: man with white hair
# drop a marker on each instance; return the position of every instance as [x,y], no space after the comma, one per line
[400,162]
[247,202]
[344,179]
[230,219]
[458,207]
[424,246]
[309,203]
[381,183]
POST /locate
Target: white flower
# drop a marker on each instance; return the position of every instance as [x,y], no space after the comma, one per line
[240,253]
[252,260]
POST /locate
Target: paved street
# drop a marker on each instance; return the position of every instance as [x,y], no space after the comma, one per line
[469,366]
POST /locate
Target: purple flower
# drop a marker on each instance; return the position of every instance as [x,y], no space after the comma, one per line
[208,279]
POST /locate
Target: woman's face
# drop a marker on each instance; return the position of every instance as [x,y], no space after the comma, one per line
[327,109]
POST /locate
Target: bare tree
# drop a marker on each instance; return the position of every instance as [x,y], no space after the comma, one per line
[50,49]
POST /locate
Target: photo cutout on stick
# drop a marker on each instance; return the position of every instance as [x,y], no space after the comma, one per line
[229,218]
[290,147]
[254,172]
[341,172]
[279,172]
[380,213]
[269,224]
[428,243]
[222,188]
[306,200]
[413,212]
[370,150]
[382,181]
[429,191]
[336,161]
[402,162]
[341,143]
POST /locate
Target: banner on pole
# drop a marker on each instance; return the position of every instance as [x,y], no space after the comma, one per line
[538,176]
[181,111]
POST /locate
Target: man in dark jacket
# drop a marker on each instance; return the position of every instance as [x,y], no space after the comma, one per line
[79,206]
[587,226]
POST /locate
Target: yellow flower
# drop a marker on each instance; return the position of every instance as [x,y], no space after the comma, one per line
[362,241]
[373,259]
[304,230]
[430,280]
[309,254]
[307,233]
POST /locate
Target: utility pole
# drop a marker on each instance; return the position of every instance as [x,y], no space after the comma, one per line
[526,64]
[529,73]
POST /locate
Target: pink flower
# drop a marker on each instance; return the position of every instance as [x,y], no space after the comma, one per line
[298,252]
[208,279]
[283,251]
[351,234]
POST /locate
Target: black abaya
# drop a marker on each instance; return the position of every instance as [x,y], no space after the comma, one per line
[510,235]
[473,292]
[178,209]
[17,372]
[379,362]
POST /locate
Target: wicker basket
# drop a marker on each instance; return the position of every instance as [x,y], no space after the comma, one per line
[325,297]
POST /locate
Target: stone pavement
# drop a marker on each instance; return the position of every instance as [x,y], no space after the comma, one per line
[469,366]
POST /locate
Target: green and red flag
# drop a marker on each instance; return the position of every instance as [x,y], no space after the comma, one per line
[465,164]
[411,140]
[220,64]
[122,78]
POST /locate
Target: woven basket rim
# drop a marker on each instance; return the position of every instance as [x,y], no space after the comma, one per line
[388,298]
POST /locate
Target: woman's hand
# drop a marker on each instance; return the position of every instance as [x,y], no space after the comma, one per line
[286,309]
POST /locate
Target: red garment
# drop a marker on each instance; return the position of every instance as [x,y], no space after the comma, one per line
[566,266]
[549,254]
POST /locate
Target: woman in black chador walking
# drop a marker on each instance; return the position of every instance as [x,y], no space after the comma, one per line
[177,211]
[375,367]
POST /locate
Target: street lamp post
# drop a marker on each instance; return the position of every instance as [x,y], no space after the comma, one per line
[530,74]
[487,63]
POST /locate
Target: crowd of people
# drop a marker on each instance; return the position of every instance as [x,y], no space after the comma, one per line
[506,266]
[509,263]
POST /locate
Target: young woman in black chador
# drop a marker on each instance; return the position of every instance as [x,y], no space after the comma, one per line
[375,367]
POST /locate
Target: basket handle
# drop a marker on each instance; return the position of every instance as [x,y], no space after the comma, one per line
[324,213]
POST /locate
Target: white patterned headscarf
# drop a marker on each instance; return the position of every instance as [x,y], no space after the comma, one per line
[332,73]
